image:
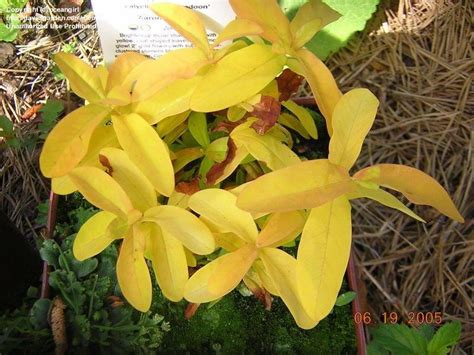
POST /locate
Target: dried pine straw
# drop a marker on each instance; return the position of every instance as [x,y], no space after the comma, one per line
[416,56]
[420,65]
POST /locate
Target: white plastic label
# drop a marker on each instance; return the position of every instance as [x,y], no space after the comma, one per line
[126,25]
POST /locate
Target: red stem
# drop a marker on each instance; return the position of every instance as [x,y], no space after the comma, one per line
[352,277]
[50,224]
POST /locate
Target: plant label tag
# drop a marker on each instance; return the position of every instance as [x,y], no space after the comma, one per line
[131,26]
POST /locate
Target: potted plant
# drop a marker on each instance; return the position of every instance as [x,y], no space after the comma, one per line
[189,158]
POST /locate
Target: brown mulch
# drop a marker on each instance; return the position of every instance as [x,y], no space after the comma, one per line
[27,80]
[416,56]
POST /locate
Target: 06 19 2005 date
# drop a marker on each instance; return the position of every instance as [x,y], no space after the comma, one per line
[414,318]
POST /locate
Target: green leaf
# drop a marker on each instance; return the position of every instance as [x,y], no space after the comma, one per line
[83,268]
[58,74]
[345,298]
[206,165]
[376,349]
[17,4]
[427,330]
[197,124]
[72,291]
[336,35]
[446,336]
[9,31]
[8,133]
[217,150]
[39,313]
[6,127]
[50,252]
[50,113]
[399,339]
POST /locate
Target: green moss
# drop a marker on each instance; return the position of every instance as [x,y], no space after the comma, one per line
[238,324]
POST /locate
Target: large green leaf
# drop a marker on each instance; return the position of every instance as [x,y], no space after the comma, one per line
[336,35]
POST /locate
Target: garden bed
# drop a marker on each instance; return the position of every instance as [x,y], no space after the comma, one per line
[217,327]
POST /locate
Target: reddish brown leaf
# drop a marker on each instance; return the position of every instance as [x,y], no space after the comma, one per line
[267,111]
[264,297]
[188,187]
[106,164]
[227,126]
[288,83]
[115,301]
[191,309]
[218,169]
[31,112]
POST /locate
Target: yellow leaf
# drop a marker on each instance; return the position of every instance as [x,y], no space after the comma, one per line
[270,90]
[186,22]
[118,228]
[264,277]
[118,96]
[352,119]
[304,33]
[305,185]
[220,276]
[232,269]
[154,75]
[177,132]
[169,263]
[103,136]
[253,282]
[281,269]
[184,226]
[103,74]
[178,199]
[121,68]
[222,52]
[417,186]
[293,123]
[172,100]
[190,258]
[171,123]
[322,84]
[218,206]
[186,156]
[281,228]
[268,15]
[228,241]
[237,77]
[94,236]
[101,190]
[237,28]
[266,148]
[132,271]
[130,178]
[309,19]
[85,82]
[323,254]
[384,198]
[217,150]
[62,185]
[146,149]
[303,116]
[68,142]
[236,113]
